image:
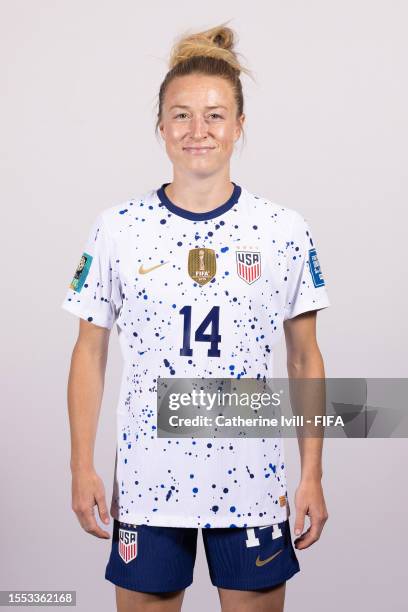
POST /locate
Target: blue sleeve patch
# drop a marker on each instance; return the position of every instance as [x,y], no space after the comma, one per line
[315,270]
[81,272]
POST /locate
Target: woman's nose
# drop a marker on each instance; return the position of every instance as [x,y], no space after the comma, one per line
[198,127]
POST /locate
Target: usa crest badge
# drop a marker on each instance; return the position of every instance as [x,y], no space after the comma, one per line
[248,265]
[202,265]
[127,544]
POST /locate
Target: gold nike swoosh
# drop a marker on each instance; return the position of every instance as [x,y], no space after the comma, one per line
[143,270]
[260,562]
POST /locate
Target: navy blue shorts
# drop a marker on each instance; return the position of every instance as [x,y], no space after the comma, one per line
[161,559]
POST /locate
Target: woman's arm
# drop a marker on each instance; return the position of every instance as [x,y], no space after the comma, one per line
[304,360]
[85,392]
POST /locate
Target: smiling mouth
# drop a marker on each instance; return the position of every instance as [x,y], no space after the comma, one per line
[194,149]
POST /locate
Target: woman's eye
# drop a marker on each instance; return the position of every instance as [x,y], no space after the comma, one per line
[185,115]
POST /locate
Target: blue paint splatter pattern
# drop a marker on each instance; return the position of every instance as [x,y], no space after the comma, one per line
[139,280]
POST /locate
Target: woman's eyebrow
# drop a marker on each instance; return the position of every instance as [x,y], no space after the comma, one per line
[207,107]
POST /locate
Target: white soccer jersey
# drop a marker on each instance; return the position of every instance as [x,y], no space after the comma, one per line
[195,294]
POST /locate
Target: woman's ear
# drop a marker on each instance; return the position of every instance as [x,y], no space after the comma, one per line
[240,125]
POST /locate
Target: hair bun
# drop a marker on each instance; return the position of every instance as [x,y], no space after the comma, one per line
[222,37]
[217,42]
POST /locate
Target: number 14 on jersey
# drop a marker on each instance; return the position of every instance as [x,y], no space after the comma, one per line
[211,320]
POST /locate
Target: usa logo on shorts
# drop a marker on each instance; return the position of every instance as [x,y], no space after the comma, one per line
[127,544]
[249,265]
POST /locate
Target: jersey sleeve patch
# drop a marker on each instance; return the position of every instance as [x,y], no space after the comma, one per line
[81,272]
[315,270]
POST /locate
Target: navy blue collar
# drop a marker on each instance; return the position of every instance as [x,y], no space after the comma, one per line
[197,216]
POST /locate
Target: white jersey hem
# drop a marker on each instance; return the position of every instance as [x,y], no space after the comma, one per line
[188,522]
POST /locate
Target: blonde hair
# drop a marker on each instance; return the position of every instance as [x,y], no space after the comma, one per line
[210,52]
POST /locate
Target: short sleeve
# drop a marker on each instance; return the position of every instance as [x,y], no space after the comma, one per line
[306,287]
[91,292]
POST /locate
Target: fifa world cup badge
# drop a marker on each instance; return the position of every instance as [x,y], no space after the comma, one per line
[201,265]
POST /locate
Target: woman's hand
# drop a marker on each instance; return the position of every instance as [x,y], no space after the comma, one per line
[88,490]
[309,499]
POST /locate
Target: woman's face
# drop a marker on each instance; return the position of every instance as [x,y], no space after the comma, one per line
[199,124]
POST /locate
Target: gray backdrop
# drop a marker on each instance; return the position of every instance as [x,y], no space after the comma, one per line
[327,133]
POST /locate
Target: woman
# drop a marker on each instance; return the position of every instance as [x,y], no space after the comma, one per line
[201,277]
